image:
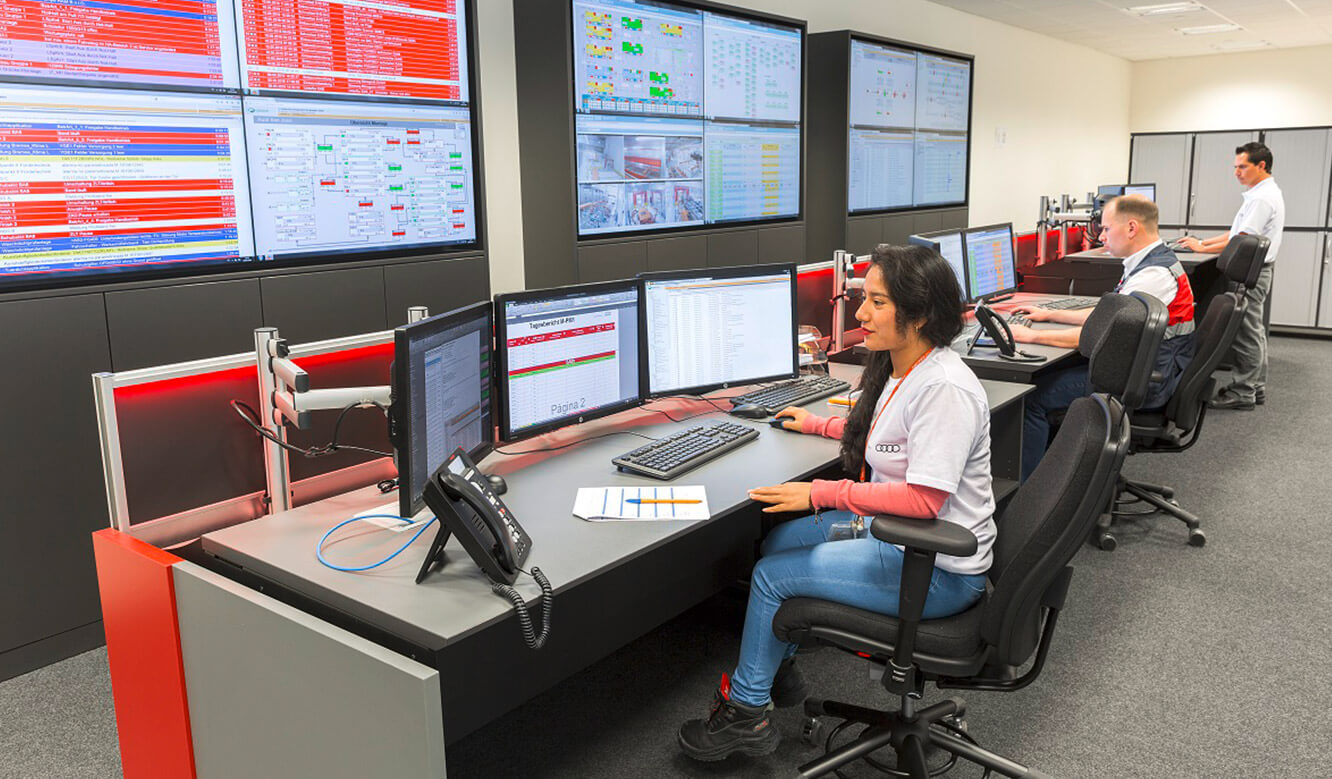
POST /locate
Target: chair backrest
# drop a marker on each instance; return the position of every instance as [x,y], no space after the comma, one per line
[1212,339]
[1120,339]
[1052,513]
[1242,259]
[1049,519]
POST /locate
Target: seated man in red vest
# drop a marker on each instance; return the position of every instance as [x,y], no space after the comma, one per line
[1129,226]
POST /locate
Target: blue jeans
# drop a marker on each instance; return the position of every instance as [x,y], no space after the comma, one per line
[1055,391]
[799,562]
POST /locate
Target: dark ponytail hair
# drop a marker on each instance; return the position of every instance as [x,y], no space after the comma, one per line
[923,289]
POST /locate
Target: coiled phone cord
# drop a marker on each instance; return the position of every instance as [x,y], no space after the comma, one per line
[533,640]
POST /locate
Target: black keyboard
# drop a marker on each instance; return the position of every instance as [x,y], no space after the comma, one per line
[793,392]
[1065,304]
[685,450]
[1018,319]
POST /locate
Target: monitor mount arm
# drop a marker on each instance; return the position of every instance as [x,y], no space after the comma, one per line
[844,281]
[285,398]
[1060,217]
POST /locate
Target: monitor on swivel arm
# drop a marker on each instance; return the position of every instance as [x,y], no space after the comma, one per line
[441,395]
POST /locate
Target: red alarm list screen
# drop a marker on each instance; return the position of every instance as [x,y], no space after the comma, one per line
[399,48]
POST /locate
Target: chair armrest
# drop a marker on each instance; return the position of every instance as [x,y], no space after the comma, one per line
[928,535]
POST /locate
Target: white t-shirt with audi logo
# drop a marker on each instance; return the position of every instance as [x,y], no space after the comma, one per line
[936,433]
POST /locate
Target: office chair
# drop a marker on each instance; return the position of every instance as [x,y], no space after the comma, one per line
[1176,426]
[982,648]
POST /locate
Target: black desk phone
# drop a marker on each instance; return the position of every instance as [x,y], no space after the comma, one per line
[464,501]
[994,326]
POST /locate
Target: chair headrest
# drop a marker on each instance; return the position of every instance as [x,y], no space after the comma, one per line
[1120,339]
[1242,259]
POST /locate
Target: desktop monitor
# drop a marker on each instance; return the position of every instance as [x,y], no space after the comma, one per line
[565,355]
[991,268]
[441,395]
[717,327]
[1148,190]
[948,243]
[1109,190]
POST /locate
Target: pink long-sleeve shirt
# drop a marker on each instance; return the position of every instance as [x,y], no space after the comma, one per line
[869,498]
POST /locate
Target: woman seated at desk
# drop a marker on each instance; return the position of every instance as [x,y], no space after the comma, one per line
[921,434]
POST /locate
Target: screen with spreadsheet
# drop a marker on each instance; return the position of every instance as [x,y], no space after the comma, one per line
[241,132]
[566,355]
[441,395]
[948,243]
[684,116]
[708,329]
[990,262]
[1146,190]
[909,112]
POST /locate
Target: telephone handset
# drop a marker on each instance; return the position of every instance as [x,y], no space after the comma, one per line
[465,501]
[997,329]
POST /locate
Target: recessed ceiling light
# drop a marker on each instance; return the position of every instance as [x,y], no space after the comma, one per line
[1207,29]
[1164,9]
[1240,45]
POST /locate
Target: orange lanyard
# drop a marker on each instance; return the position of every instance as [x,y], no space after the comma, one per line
[870,436]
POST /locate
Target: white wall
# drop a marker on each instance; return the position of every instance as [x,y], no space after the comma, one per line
[1281,88]
[1063,110]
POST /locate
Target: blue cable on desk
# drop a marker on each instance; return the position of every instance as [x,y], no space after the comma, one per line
[319,550]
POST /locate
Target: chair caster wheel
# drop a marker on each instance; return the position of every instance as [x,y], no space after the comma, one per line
[1107,542]
[1196,537]
[814,732]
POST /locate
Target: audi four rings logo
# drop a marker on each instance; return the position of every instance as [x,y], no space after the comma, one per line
[888,448]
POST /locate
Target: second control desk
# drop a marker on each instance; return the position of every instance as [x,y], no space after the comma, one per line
[613,581]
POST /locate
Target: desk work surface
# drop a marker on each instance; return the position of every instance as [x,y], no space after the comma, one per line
[456,600]
[987,363]
[1189,260]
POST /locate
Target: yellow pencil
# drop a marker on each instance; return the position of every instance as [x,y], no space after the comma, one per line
[654,500]
[841,402]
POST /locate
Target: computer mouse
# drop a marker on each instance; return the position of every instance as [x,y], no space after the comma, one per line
[497,483]
[750,411]
[777,423]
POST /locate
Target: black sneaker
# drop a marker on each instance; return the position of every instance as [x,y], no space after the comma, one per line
[1231,402]
[730,728]
[788,686]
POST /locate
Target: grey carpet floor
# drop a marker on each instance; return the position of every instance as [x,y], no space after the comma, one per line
[1169,661]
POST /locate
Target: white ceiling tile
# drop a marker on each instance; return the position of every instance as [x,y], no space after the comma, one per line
[1105,26]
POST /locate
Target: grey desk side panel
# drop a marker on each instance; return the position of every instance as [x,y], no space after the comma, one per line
[276,692]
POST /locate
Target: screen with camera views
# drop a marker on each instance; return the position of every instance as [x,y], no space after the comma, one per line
[683,117]
[909,116]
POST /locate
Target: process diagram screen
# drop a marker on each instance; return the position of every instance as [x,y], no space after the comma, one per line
[908,135]
[664,95]
[347,176]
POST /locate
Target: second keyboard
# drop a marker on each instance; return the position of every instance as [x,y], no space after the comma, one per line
[793,392]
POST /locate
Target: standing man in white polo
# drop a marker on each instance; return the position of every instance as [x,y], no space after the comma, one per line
[1262,213]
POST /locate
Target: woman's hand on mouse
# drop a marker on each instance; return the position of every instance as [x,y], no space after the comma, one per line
[793,418]
[791,496]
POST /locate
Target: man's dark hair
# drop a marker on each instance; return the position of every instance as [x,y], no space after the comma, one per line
[923,288]
[1257,152]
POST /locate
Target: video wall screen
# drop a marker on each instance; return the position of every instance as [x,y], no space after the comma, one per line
[909,137]
[684,116]
[154,138]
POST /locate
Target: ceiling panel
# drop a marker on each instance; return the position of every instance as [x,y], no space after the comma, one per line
[1107,26]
